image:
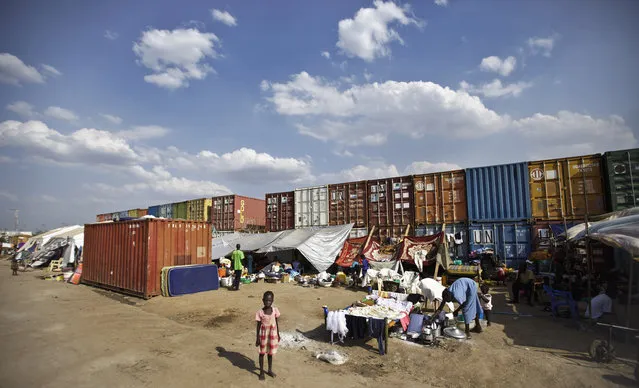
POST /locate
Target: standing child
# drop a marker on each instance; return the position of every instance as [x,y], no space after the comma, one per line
[486,301]
[14,267]
[268,332]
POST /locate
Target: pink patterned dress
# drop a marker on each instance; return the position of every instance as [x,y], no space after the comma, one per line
[269,340]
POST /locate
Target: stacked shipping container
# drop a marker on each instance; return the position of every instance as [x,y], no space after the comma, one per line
[348,203]
[391,205]
[280,211]
[236,212]
[622,178]
[198,209]
[311,207]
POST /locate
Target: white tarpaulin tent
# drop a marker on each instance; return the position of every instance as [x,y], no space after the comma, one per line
[320,246]
[66,231]
[618,231]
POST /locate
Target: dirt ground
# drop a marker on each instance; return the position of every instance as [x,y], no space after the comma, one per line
[58,335]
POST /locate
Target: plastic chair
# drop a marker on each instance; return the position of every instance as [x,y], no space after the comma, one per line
[561,299]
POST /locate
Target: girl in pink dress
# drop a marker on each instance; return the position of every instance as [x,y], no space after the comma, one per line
[268,332]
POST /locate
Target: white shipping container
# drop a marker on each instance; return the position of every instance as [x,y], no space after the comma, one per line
[311,206]
[358,232]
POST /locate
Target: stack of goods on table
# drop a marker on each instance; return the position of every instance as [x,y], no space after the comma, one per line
[276,272]
[189,279]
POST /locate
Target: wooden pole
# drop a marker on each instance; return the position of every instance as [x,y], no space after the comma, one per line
[385,335]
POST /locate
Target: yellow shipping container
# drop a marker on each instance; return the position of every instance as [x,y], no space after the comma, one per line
[567,188]
[133,213]
[199,209]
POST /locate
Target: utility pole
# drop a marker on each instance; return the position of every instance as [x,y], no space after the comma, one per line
[16,219]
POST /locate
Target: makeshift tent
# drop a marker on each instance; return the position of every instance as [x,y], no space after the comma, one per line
[350,252]
[425,250]
[320,246]
[35,242]
[66,246]
[620,230]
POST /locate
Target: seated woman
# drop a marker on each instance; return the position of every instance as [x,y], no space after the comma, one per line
[464,292]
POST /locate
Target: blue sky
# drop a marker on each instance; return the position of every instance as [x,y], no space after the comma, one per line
[106,106]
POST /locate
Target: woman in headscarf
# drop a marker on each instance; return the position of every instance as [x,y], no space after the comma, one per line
[464,292]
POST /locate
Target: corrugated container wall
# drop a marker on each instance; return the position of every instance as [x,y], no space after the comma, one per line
[311,206]
[280,211]
[129,256]
[133,213]
[198,209]
[348,203]
[179,210]
[557,188]
[440,198]
[511,241]
[498,193]
[166,210]
[622,178]
[236,212]
[391,205]
[458,248]
[154,211]
[545,232]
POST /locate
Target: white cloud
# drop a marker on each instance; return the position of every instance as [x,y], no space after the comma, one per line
[15,72]
[367,76]
[369,35]
[495,88]
[50,70]
[48,198]
[542,46]
[7,195]
[22,108]
[375,170]
[176,56]
[428,167]
[143,132]
[326,54]
[111,35]
[60,113]
[5,159]
[368,114]
[224,17]
[111,118]
[497,65]
[441,3]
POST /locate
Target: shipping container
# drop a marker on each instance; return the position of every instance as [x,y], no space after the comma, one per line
[199,209]
[237,212]
[135,213]
[154,211]
[348,204]
[311,206]
[129,256]
[458,241]
[280,211]
[358,232]
[440,198]
[622,179]
[179,210]
[100,218]
[166,210]
[557,188]
[391,205]
[510,241]
[545,233]
[498,193]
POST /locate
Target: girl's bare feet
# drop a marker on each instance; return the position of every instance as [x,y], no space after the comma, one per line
[271,373]
[262,377]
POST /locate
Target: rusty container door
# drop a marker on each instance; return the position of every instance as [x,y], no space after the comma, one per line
[222,215]
[440,198]
[348,203]
[567,188]
[280,211]
[128,257]
[391,204]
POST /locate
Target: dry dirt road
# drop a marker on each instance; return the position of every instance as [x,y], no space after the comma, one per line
[60,335]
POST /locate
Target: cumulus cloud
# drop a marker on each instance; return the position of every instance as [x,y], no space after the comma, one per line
[143,132]
[112,118]
[495,88]
[360,172]
[50,70]
[22,108]
[15,72]
[60,113]
[425,167]
[224,17]
[110,35]
[441,3]
[542,46]
[497,65]
[370,113]
[326,54]
[48,198]
[175,57]
[368,34]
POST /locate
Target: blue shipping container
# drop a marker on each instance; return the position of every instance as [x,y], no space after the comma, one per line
[511,241]
[154,211]
[498,193]
[458,248]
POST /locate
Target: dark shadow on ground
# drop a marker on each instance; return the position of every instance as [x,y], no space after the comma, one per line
[321,335]
[622,381]
[238,360]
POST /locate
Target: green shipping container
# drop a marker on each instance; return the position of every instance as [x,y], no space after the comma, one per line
[622,178]
[179,210]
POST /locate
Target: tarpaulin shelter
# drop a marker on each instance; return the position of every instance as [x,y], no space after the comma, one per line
[36,242]
[351,252]
[320,246]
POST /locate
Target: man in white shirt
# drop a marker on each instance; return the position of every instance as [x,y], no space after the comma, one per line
[432,291]
[601,304]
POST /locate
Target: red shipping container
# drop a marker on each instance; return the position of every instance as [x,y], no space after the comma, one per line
[391,205]
[280,211]
[237,212]
[348,203]
[128,256]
